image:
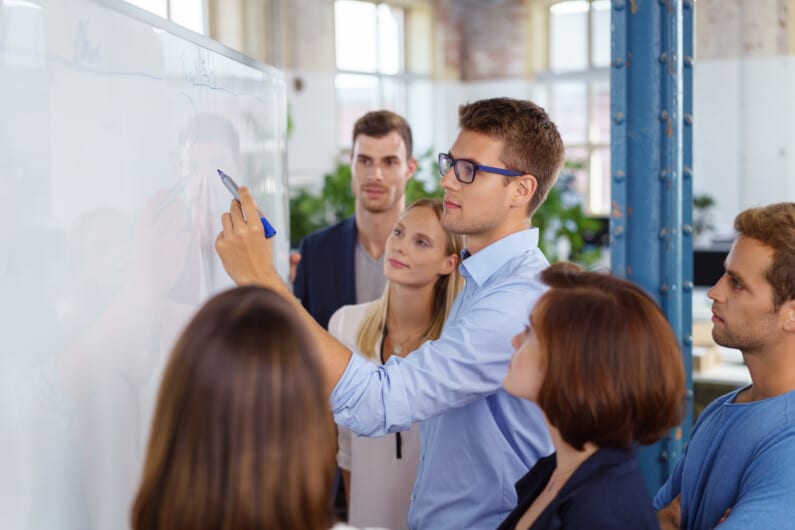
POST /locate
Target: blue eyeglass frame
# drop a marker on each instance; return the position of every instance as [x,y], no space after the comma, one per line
[476,168]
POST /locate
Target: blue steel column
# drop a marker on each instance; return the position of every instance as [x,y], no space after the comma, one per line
[648,195]
[688,54]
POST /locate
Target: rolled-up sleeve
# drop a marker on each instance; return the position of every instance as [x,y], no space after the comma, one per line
[467,362]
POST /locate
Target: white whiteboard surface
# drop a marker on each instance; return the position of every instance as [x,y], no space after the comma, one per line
[112,123]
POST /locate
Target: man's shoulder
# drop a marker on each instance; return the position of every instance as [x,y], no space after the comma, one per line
[779,411]
[331,234]
[521,272]
[732,433]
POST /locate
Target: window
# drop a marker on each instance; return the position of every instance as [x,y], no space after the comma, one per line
[377,68]
[188,13]
[578,96]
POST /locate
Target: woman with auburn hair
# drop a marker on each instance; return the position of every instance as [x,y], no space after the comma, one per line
[602,363]
[242,432]
[421,269]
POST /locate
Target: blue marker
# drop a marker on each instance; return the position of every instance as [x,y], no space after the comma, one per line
[232,187]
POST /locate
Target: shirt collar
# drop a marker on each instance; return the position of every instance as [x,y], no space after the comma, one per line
[482,264]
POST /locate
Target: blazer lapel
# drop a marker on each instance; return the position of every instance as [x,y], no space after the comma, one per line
[344,260]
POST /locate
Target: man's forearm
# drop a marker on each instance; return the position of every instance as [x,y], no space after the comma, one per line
[670,517]
[247,256]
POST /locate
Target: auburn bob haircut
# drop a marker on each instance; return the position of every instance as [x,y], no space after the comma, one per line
[614,372]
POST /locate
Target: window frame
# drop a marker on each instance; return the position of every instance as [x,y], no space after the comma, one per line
[403,78]
[169,15]
[590,76]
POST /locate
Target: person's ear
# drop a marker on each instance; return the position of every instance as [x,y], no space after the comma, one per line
[787,312]
[525,187]
[449,265]
[412,167]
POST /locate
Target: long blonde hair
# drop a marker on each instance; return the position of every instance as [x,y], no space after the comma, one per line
[444,292]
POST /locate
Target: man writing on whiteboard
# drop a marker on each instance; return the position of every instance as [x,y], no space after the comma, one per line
[477,440]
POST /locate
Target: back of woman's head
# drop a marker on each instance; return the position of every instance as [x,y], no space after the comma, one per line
[614,372]
[242,434]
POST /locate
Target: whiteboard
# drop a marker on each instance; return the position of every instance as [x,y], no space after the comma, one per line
[112,124]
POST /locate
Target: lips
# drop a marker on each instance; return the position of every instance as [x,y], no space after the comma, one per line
[449,205]
[373,190]
[716,318]
[397,264]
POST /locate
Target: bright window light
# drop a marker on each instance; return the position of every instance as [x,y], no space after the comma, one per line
[356,35]
[569,8]
[158,7]
[188,13]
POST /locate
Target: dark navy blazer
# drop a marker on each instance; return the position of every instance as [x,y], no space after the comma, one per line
[606,492]
[324,278]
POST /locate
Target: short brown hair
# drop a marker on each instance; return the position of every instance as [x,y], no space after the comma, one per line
[379,123]
[242,434]
[774,226]
[531,140]
[614,372]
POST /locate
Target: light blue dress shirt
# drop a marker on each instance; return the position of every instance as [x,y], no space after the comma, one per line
[477,440]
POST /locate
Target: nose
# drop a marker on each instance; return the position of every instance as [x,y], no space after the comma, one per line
[448,179]
[394,244]
[376,172]
[715,291]
[398,247]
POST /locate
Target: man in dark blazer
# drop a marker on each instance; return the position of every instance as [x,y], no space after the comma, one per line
[326,276]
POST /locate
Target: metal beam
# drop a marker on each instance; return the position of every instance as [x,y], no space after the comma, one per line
[651,209]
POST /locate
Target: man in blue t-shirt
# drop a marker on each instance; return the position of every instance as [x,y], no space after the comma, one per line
[738,469]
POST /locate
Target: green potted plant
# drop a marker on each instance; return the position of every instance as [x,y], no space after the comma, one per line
[702,219]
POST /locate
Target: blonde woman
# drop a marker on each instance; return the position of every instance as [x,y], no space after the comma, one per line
[421,268]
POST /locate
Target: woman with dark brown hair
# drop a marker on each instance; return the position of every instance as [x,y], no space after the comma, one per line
[242,435]
[602,363]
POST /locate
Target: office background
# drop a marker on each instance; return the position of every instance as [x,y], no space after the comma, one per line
[422,59]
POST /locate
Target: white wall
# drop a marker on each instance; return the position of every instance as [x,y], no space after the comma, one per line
[744,133]
[312,149]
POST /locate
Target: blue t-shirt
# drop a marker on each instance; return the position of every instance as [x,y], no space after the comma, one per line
[740,456]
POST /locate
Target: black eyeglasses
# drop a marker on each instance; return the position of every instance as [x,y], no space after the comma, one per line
[465,170]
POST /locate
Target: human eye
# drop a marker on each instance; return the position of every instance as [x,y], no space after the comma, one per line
[424,243]
[466,168]
[735,283]
[396,231]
